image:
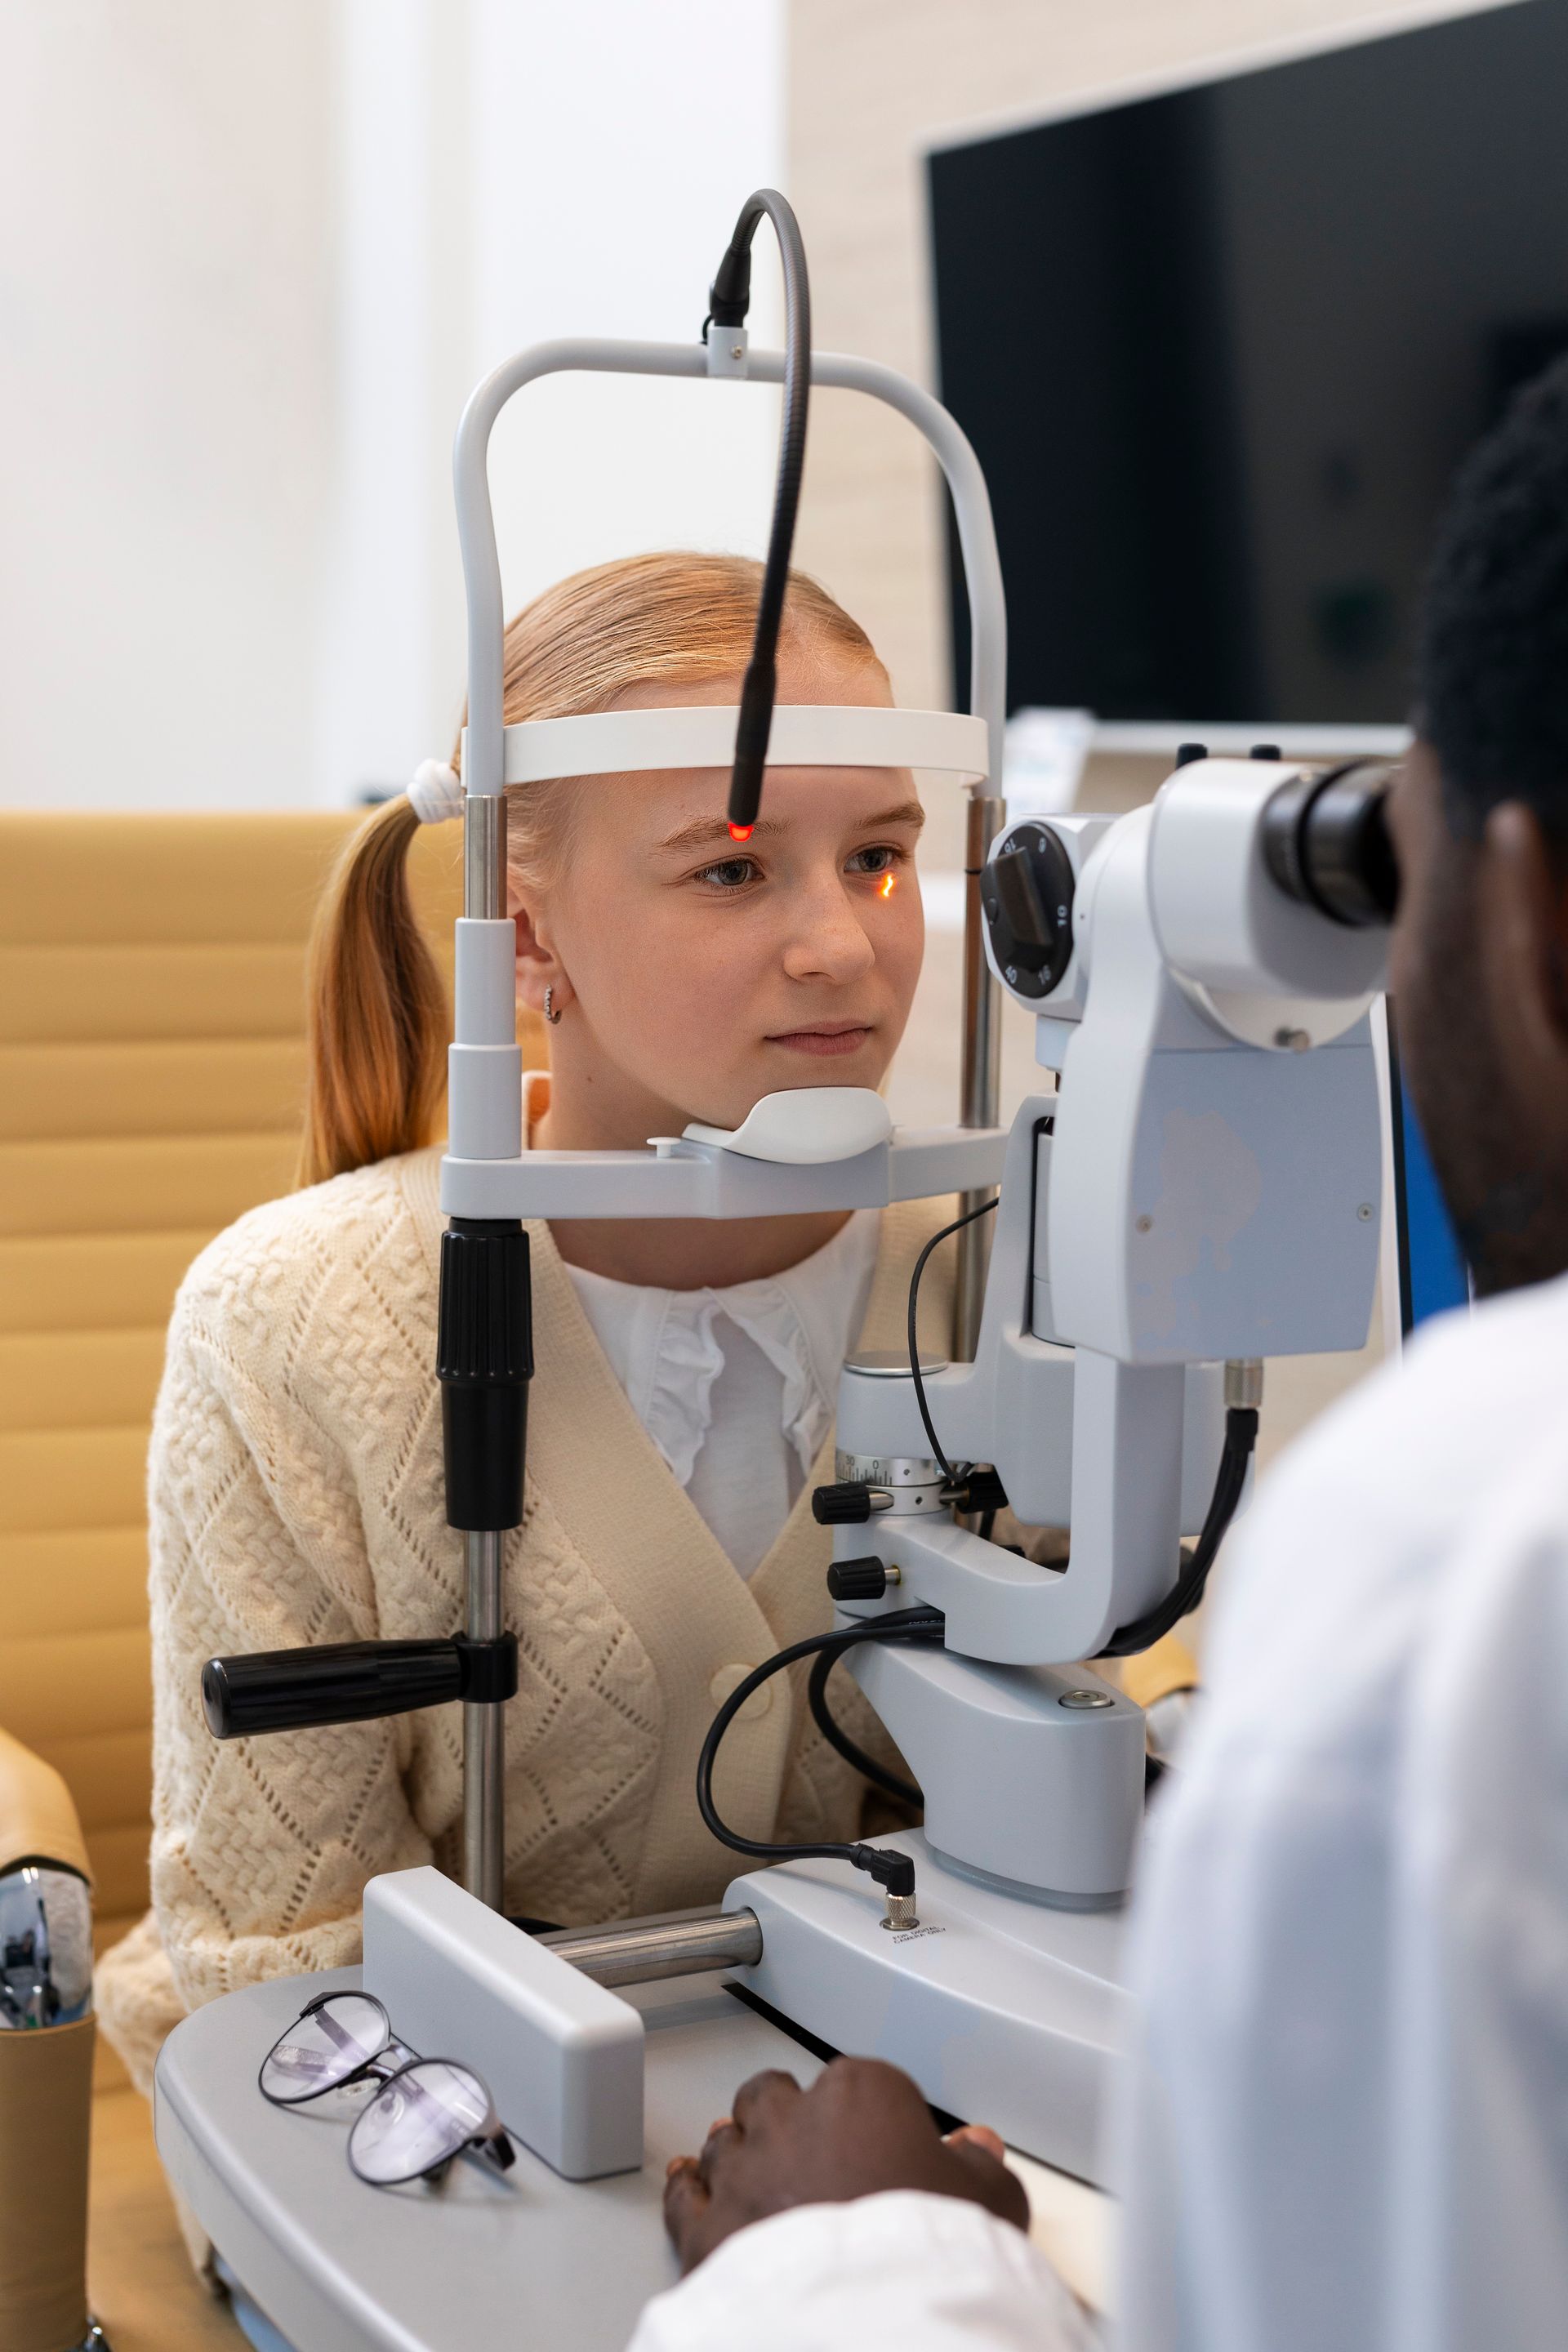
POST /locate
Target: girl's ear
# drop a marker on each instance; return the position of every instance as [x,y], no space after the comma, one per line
[538,968]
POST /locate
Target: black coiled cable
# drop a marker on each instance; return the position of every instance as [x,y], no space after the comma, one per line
[1240,1437]
[832,1731]
[938,1456]
[890,1869]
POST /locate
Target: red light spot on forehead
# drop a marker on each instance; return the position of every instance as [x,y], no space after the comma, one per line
[739,833]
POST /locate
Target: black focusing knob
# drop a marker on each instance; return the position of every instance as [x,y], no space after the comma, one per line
[857,1580]
[1027,894]
[845,1505]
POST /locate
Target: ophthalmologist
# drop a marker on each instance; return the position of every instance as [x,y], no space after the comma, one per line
[1344,2120]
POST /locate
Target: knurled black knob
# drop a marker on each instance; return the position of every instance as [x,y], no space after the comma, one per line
[1027,896]
[845,1505]
[857,1580]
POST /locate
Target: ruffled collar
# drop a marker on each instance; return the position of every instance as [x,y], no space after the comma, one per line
[667,1353]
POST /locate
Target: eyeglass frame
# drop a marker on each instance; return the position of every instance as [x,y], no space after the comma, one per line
[491,2142]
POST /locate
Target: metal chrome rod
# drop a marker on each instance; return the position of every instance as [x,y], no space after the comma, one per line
[484,1753]
[981,1082]
[675,1944]
[484,858]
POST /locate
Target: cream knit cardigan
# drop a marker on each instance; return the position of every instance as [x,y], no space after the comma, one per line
[296,1495]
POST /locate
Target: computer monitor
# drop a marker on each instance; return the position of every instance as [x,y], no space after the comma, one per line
[1220,347]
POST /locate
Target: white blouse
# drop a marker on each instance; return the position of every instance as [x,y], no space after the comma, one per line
[737,1388]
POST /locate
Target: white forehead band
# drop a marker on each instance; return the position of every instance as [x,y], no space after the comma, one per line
[804,735]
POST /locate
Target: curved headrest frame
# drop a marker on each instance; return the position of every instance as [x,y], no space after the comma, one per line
[804,735]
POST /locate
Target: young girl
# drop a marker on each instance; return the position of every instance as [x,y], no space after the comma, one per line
[682,1405]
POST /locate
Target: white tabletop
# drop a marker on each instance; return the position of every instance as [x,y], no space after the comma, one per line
[517,2260]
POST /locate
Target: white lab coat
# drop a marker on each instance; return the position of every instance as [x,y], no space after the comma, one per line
[1344,2125]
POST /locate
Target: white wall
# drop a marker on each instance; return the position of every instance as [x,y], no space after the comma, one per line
[512,169]
[251,261]
[163,399]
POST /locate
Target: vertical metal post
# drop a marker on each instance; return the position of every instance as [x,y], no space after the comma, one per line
[981,1081]
[484,1749]
[484,857]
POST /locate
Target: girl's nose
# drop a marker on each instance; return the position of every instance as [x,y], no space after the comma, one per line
[828,941]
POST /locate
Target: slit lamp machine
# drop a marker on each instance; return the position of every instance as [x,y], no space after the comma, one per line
[1201,1188]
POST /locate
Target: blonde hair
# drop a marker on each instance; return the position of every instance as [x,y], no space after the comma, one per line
[376,1015]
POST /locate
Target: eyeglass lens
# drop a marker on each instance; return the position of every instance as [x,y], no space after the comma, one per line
[324,2048]
[420,2119]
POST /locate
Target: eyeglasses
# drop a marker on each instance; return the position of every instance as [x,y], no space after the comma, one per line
[427,2112]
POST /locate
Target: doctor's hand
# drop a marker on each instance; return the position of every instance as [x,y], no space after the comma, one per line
[862,2126]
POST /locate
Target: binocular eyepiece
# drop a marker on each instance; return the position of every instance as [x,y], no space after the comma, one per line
[1326,844]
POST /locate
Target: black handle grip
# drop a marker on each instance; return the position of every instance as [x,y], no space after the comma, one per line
[342,1682]
[484,1361]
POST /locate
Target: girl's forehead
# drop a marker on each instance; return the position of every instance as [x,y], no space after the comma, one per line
[674,807]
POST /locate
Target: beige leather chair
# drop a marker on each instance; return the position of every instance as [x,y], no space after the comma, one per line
[151,1064]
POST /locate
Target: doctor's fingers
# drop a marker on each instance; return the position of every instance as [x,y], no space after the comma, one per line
[686,2211]
[865,2095]
[765,2098]
[722,2137]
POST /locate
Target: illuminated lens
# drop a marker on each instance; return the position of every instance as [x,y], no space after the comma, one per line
[740,832]
[423,2117]
[324,2048]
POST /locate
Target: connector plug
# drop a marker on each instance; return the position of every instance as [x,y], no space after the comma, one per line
[895,1875]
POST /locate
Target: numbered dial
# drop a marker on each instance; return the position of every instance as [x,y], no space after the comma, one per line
[1026,893]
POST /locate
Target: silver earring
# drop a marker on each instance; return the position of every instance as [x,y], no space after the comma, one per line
[550,1016]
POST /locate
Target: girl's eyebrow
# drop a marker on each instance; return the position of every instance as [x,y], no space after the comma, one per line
[705,831]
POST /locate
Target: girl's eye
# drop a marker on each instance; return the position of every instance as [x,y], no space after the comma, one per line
[730,873]
[880,859]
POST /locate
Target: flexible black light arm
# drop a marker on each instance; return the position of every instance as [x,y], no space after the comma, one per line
[729,299]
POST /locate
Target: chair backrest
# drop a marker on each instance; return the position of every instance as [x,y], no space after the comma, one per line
[151,1073]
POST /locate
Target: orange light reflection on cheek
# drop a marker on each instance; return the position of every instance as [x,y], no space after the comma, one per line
[887,889]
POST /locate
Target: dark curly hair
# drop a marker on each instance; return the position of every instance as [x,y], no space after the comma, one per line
[1493,668]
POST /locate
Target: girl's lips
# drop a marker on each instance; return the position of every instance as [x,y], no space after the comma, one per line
[824,1041]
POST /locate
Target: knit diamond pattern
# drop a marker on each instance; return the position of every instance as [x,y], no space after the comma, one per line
[295,1495]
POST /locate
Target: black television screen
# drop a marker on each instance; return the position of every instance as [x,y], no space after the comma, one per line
[1220,350]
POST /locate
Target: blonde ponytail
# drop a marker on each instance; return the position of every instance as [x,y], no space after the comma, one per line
[377,1007]
[377,1026]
